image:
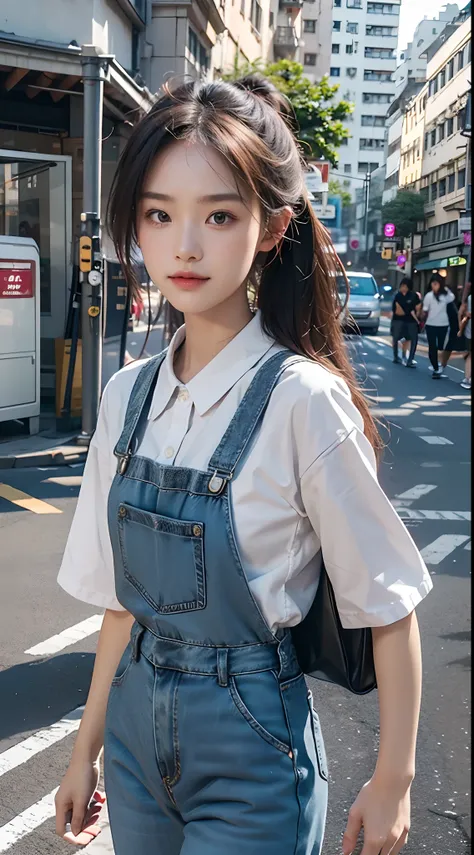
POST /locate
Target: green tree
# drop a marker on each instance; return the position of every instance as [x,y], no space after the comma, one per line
[319,116]
[404,211]
[336,189]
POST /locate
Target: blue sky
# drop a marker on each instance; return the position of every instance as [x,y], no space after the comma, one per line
[413,11]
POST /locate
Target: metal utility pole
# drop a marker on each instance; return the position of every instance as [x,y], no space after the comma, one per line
[94,71]
[366,221]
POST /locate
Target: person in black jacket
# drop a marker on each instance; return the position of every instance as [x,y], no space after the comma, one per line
[405,309]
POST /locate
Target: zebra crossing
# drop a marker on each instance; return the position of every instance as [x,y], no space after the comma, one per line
[35,821]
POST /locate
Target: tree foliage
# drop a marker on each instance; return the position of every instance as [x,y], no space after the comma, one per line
[319,115]
[404,211]
[336,189]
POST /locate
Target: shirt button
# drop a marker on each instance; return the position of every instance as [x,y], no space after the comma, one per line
[183,395]
[169,452]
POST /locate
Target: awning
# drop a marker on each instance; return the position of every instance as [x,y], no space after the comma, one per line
[432,264]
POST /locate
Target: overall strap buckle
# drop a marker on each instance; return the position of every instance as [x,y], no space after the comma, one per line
[122,462]
[218,481]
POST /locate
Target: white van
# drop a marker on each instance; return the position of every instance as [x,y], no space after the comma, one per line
[364,302]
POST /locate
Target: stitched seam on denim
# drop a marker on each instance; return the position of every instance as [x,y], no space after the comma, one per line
[117,681]
[172,781]
[317,736]
[244,646]
[138,395]
[159,522]
[295,772]
[231,539]
[254,724]
[173,608]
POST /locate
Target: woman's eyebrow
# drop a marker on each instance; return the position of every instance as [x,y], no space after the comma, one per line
[212,197]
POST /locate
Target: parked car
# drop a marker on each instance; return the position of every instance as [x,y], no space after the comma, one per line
[364,302]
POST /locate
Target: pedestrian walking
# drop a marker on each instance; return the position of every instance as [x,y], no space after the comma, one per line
[405,311]
[435,308]
[465,328]
[220,473]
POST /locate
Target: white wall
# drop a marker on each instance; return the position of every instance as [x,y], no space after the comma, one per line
[86,21]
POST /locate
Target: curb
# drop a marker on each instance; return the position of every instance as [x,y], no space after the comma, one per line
[57,456]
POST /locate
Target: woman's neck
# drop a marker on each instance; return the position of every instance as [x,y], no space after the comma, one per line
[208,333]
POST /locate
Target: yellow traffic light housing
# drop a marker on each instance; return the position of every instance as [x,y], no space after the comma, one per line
[85,253]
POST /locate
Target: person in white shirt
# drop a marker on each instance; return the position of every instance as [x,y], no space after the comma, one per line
[465,328]
[435,307]
[220,474]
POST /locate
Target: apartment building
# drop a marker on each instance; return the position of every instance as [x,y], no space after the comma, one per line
[363,59]
[412,140]
[315,50]
[445,180]
[413,57]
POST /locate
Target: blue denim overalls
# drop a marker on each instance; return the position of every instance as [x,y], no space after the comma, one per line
[212,746]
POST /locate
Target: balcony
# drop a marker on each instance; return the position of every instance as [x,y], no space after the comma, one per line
[286,5]
[285,42]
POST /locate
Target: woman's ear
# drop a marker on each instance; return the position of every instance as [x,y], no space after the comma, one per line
[275,229]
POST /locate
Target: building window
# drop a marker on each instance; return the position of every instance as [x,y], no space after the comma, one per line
[441,132]
[434,191]
[450,69]
[335,72]
[337,4]
[350,49]
[378,53]
[380,76]
[271,20]
[450,127]
[309,25]
[347,168]
[352,27]
[354,4]
[460,57]
[371,143]
[451,183]
[135,50]
[242,7]
[345,141]
[461,119]
[383,8]
[377,97]
[310,59]
[336,25]
[351,72]
[375,30]
[256,15]
[442,188]
[442,78]
[433,138]
[372,121]
[335,49]
[461,179]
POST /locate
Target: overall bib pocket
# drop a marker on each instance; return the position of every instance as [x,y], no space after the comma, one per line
[163,559]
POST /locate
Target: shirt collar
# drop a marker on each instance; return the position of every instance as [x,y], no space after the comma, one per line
[219,376]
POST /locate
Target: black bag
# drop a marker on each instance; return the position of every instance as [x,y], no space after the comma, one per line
[327,651]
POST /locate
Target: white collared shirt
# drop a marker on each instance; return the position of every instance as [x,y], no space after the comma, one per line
[308,484]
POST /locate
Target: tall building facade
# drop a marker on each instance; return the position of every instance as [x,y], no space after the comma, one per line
[363,60]
[316,37]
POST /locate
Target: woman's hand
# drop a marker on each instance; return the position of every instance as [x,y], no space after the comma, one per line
[78,803]
[383,810]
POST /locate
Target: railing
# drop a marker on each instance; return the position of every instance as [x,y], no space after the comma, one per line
[291,4]
[286,37]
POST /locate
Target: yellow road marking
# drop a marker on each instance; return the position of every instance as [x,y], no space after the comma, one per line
[23,500]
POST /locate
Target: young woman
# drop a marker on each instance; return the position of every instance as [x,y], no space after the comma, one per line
[435,307]
[219,473]
[465,328]
[405,311]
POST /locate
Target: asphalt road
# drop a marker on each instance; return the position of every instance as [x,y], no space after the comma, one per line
[426,471]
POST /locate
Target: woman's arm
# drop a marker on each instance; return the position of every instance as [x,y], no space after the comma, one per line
[397,659]
[81,779]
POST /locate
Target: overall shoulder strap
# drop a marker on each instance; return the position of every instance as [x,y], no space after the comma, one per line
[138,406]
[248,414]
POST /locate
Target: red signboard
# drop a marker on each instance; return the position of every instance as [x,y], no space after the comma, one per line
[16,279]
[323,167]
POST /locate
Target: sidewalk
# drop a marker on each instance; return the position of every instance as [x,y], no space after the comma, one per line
[49,448]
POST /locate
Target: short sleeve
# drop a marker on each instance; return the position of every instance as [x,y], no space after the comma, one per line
[450,297]
[375,568]
[426,303]
[87,569]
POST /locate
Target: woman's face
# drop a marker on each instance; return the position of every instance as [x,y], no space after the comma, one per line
[194,218]
[435,286]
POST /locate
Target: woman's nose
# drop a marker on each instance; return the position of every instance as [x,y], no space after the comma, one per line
[189,246]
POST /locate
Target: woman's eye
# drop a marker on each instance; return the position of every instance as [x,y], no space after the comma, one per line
[158,216]
[221,218]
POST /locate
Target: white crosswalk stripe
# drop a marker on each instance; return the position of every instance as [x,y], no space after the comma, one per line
[437,551]
[67,637]
[42,739]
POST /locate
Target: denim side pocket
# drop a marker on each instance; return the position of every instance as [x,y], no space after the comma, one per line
[123,666]
[318,739]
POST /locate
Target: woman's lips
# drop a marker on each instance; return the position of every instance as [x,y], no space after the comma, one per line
[188,283]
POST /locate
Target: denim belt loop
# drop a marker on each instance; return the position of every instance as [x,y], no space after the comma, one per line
[222,666]
[137,635]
